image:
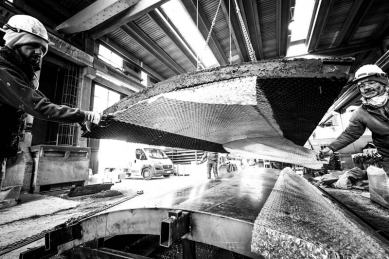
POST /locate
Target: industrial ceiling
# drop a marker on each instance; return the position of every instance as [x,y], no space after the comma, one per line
[135,29]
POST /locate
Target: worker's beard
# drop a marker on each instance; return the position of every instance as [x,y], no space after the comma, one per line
[33,59]
[376,101]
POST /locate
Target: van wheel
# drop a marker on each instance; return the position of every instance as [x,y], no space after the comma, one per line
[146,173]
[166,175]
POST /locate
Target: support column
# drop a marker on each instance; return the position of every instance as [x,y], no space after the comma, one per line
[188,249]
[84,99]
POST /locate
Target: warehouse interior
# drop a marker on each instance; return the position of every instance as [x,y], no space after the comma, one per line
[167,69]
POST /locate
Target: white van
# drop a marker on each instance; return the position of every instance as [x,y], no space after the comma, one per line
[149,162]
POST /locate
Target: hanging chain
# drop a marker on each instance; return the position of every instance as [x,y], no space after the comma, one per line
[210,29]
[246,35]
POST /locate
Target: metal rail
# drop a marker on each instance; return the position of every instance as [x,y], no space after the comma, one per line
[20,243]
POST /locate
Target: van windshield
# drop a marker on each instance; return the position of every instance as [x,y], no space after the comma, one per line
[155,153]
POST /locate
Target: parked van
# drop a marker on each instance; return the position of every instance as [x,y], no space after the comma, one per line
[149,162]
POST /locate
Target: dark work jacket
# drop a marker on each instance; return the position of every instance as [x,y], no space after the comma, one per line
[18,97]
[376,120]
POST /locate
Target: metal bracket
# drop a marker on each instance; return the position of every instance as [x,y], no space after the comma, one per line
[174,227]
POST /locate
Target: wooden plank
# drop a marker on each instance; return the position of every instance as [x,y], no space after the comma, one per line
[204,26]
[89,189]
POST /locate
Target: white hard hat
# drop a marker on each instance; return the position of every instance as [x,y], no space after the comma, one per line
[28,24]
[370,71]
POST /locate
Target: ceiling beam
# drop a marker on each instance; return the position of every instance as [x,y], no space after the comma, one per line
[173,37]
[343,51]
[382,30]
[204,27]
[131,14]
[240,48]
[319,22]
[168,20]
[93,15]
[126,55]
[57,6]
[137,34]
[354,18]
[282,23]
[250,11]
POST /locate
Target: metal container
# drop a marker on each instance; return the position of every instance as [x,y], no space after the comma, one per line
[58,167]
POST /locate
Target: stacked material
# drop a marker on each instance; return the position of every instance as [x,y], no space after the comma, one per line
[297,222]
[266,109]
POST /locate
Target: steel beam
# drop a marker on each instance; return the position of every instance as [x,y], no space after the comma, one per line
[251,13]
[93,15]
[56,5]
[125,54]
[346,50]
[131,14]
[354,18]
[137,34]
[282,23]
[204,26]
[235,29]
[170,34]
[230,234]
[318,24]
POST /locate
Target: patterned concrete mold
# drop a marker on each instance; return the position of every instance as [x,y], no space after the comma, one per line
[276,100]
[297,222]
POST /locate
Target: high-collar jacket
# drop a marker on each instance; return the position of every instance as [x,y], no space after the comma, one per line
[376,120]
[18,97]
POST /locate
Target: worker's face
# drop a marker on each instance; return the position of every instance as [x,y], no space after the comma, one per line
[370,89]
[33,53]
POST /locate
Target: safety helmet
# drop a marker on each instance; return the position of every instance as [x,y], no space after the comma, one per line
[28,24]
[373,71]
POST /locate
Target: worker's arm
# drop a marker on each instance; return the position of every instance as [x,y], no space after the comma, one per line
[354,131]
[15,92]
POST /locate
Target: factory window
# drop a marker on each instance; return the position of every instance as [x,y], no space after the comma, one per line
[104,98]
[110,57]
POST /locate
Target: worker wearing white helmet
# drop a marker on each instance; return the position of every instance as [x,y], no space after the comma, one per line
[26,42]
[373,85]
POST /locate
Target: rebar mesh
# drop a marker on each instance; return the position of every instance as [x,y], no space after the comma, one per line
[66,131]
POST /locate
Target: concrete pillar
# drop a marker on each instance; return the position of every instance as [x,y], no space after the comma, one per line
[84,99]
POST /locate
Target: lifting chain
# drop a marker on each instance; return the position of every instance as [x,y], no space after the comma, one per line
[210,29]
[246,35]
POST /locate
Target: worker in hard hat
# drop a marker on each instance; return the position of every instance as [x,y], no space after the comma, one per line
[373,85]
[26,43]
[212,158]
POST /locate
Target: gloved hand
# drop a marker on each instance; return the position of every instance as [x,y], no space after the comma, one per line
[93,117]
[326,152]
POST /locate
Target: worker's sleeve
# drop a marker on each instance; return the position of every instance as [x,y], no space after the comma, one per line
[15,92]
[204,156]
[354,131]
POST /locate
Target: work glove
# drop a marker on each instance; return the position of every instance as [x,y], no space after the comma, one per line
[326,152]
[93,117]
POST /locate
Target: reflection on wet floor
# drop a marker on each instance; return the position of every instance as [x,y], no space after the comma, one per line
[240,194]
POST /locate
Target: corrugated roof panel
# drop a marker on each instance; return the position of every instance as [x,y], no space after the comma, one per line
[122,38]
[363,33]
[267,21]
[377,13]
[220,28]
[148,26]
[335,20]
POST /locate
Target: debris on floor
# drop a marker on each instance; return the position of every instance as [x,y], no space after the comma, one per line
[347,179]
[89,189]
